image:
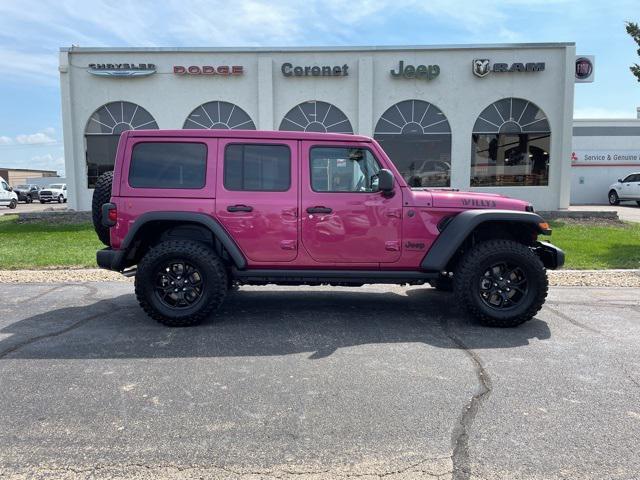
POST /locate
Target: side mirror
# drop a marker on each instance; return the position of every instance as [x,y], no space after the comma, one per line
[11,189]
[385,182]
[619,180]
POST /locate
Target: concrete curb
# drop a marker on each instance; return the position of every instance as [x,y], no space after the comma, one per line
[557,214]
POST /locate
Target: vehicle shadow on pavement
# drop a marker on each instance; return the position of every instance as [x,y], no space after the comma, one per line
[260,323]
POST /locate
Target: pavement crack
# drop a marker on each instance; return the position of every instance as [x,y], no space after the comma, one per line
[461,433]
[90,295]
[574,322]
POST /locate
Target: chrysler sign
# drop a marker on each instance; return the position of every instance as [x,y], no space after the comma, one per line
[121,69]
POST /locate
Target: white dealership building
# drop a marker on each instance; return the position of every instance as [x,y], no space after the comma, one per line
[491,118]
[604,151]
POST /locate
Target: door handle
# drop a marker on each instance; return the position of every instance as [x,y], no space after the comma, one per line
[319,209]
[239,208]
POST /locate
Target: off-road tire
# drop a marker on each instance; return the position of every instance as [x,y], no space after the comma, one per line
[477,260]
[101,195]
[13,203]
[198,254]
[28,199]
[638,202]
[42,201]
[614,199]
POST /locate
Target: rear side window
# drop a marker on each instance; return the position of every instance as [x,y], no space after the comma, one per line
[253,167]
[168,165]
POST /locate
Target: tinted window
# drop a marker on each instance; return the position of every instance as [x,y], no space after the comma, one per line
[337,169]
[417,137]
[257,167]
[168,165]
[632,178]
[510,159]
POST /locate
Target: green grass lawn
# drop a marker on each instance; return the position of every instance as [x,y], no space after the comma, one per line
[45,245]
[598,247]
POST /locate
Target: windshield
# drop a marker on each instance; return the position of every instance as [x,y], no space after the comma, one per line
[22,187]
[57,186]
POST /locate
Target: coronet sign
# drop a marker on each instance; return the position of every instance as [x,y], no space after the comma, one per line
[482,67]
[419,72]
[289,70]
[221,70]
[121,69]
[605,157]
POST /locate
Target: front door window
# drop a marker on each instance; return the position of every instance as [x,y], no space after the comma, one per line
[345,218]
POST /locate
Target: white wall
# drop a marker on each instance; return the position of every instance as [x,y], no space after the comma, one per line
[590,182]
[369,89]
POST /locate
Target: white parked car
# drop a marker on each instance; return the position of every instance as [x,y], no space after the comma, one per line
[8,197]
[56,192]
[627,188]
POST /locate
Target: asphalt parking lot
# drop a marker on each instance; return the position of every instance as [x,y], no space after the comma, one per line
[33,207]
[317,383]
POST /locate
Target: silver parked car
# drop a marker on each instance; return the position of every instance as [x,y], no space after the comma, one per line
[627,188]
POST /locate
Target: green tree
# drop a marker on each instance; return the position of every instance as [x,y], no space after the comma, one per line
[634,31]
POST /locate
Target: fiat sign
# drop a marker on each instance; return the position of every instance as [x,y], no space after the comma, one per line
[585,68]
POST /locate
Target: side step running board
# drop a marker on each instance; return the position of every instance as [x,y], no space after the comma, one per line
[332,276]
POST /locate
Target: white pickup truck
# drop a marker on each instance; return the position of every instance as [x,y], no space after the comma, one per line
[56,192]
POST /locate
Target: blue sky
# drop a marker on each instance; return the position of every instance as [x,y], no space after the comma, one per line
[31,33]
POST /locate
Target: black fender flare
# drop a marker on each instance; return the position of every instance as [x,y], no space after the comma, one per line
[460,226]
[200,218]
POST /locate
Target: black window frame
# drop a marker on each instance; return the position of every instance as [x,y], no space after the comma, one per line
[146,142]
[224,165]
[377,160]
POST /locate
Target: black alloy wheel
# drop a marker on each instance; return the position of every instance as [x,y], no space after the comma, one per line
[502,283]
[179,284]
[503,286]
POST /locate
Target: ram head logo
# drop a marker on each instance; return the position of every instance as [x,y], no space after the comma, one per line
[481,67]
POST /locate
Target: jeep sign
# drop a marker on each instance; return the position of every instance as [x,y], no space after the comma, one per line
[420,72]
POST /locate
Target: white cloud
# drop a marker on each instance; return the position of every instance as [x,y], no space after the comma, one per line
[597,112]
[5,140]
[47,162]
[34,139]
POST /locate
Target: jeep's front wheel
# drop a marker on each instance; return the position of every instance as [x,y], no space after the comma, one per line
[502,283]
[180,282]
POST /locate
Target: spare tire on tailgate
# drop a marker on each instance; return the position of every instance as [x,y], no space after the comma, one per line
[101,195]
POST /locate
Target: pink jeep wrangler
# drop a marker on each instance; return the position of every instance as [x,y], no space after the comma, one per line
[193,213]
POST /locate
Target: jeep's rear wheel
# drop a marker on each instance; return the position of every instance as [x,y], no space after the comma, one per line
[502,283]
[180,282]
[101,195]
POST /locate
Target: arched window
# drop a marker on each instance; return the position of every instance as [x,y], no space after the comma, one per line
[316,116]
[511,144]
[417,137]
[102,134]
[219,116]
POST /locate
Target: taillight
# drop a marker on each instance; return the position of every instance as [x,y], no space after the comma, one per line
[109,214]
